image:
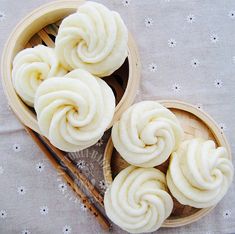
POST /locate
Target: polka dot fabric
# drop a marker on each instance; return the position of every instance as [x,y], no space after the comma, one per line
[187,52]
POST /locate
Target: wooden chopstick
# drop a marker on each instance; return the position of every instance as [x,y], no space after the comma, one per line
[68,163]
[76,172]
[99,216]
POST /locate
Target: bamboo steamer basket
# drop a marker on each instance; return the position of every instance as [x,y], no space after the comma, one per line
[195,123]
[40,27]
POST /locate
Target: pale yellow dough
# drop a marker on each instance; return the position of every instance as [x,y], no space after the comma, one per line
[74,111]
[146,134]
[94,38]
[30,67]
[199,174]
[138,200]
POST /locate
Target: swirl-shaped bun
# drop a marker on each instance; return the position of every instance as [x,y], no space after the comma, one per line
[94,39]
[137,200]
[146,134]
[199,174]
[30,67]
[74,111]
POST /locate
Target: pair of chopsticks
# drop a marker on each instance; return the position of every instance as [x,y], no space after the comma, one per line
[52,153]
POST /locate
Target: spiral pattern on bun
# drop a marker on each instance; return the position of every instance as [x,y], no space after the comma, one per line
[74,111]
[199,174]
[30,67]
[146,134]
[94,38]
[137,200]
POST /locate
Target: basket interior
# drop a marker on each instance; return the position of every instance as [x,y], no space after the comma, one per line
[193,127]
[117,81]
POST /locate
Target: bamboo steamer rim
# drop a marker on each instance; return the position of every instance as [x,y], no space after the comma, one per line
[36,20]
[220,138]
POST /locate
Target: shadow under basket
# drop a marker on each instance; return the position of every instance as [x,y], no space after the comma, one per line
[195,123]
[41,27]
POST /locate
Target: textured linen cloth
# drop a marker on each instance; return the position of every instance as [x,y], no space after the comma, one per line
[187,51]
